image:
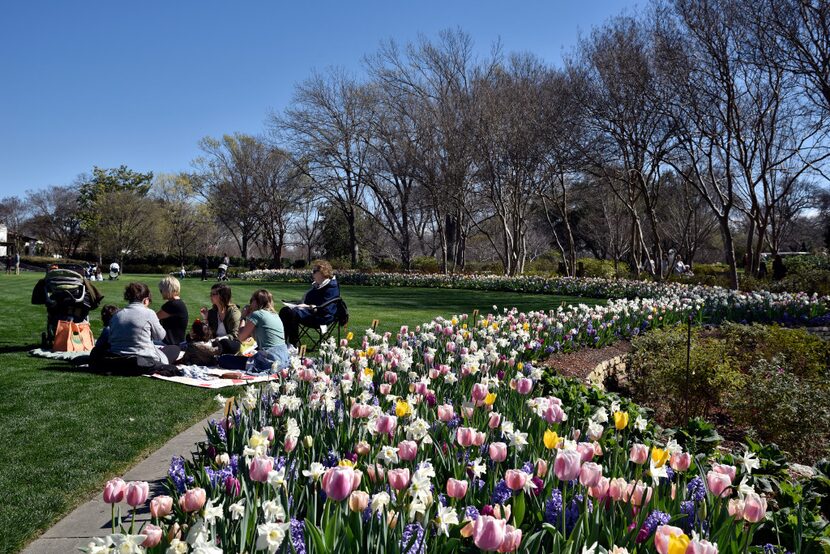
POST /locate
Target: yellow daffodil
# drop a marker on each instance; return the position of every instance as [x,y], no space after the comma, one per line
[370,351]
[678,543]
[368,371]
[659,457]
[454,321]
[402,408]
[490,399]
[519,366]
[620,420]
[349,336]
[464,326]
[551,439]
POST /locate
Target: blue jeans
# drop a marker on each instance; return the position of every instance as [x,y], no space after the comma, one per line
[270,360]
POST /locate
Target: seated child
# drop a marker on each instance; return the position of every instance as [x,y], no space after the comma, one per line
[200,350]
[103,341]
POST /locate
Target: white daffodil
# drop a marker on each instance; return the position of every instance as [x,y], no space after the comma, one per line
[315,471]
[177,546]
[237,510]
[519,440]
[380,501]
[478,468]
[273,511]
[100,545]
[600,416]
[589,549]
[750,462]
[199,532]
[446,516]
[640,424]
[388,455]
[271,535]
[277,478]
[212,512]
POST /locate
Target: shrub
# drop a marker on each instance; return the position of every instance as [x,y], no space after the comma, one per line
[425,264]
[806,354]
[660,379]
[299,264]
[780,406]
[389,264]
[597,268]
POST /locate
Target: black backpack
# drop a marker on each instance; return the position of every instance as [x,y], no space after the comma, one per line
[342,315]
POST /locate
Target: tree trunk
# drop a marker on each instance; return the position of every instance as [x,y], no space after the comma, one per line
[729,252]
[350,218]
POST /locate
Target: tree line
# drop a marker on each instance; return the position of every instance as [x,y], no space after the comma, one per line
[696,129]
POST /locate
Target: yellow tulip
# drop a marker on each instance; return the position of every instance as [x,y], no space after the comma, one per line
[349,336]
[490,399]
[678,543]
[402,408]
[345,462]
[659,457]
[620,420]
[519,366]
[368,371]
[551,439]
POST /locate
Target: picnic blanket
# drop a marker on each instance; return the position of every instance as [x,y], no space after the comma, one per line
[210,377]
[68,356]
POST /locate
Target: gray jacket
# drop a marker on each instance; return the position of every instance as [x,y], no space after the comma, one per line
[132,331]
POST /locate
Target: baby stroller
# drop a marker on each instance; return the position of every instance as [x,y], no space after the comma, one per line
[222,275]
[67,296]
[115,271]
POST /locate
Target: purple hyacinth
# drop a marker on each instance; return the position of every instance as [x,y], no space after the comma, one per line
[696,490]
[177,474]
[572,512]
[412,540]
[471,512]
[654,520]
[553,507]
[501,493]
[687,508]
[297,531]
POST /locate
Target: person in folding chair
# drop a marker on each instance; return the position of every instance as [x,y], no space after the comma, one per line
[318,308]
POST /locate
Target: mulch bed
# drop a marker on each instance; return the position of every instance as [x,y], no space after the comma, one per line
[580,363]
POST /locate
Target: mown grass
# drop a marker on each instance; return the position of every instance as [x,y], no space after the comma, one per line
[64,433]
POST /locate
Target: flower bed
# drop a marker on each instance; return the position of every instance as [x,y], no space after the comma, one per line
[446,438]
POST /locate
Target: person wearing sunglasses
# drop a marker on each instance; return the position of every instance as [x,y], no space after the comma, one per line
[224,319]
[324,288]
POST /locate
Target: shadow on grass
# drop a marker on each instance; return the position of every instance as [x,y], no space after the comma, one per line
[15,348]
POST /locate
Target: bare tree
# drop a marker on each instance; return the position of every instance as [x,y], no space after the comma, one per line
[54,218]
[306,226]
[280,188]
[188,229]
[326,128]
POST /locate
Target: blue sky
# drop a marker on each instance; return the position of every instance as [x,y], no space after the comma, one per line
[139,83]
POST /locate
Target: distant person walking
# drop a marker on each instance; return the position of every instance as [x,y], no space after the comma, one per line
[204,264]
[8,265]
[17,263]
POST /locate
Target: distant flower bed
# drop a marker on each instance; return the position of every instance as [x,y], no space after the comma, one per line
[446,438]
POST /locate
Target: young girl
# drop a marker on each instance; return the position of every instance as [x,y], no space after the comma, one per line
[266,327]
[199,350]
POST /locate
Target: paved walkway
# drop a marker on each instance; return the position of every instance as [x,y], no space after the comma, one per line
[93,518]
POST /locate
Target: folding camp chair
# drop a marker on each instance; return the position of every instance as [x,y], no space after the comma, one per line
[318,334]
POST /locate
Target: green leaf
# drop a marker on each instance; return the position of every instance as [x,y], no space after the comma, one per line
[519,509]
[316,537]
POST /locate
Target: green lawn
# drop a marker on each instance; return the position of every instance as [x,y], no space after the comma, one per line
[65,433]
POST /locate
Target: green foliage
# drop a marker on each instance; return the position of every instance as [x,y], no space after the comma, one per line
[698,435]
[780,406]
[659,376]
[806,355]
[597,268]
[425,264]
[710,269]
[105,181]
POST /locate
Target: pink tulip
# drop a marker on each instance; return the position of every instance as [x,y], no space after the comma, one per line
[736,508]
[114,491]
[555,414]
[478,438]
[355,410]
[385,388]
[498,451]
[390,377]
[638,454]
[358,501]
[590,474]
[386,424]
[161,506]
[375,472]
[755,507]
[290,444]
[277,410]
[616,488]
[193,500]
[701,546]
[446,412]
[362,448]
[456,489]
[566,465]
[600,490]
[464,436]
[260,467]
[398,478]
[479,392]
[541,468]
[661,537]
[586,451]
[494,420]
[725,470]
[137,493]
[637,493]
[512,539]
[152,534]
[340,481]
[407,450]
[516,479]
[680,462]
[719,483]
[488,532]
[524,386]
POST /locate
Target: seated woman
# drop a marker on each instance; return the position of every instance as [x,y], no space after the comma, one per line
[223,318]
[133,329]
[323,289]
[265,326]
[173,313]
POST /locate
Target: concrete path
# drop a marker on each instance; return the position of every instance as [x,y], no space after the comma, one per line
[93,518]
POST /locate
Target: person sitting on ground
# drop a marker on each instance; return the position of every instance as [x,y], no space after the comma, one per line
[266,327]
[323,289]
[133,329]
[173,313]
[223,318]
[103,342]
[200,350]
